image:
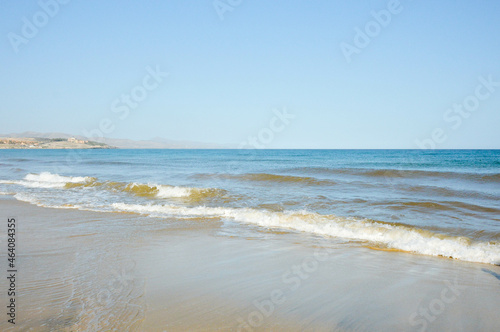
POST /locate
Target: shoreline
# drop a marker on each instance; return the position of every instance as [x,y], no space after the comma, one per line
[34,143]
[81,270]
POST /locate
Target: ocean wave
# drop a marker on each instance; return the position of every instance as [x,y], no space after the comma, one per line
[401,173]
[267,177]
[492,177]
[48,180]
[401,237]
[167,191]
[284,178]
[437,206]
[24,197]
[20,159]
[103,162]
[152,190]
[445,191]
[28,199]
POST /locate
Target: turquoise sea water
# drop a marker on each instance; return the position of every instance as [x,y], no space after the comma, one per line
[433,202]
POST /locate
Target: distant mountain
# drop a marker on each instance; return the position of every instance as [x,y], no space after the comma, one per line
[41,135]
[155,143]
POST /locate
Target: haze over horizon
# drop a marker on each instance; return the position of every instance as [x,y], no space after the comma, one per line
[286,74]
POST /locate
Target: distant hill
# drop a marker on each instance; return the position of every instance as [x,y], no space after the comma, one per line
[49,143]
[155,143]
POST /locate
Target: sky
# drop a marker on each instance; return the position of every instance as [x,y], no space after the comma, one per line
[265,74]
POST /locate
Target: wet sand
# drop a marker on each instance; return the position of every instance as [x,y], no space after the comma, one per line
[81,271]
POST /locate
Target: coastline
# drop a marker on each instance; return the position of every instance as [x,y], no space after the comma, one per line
[81,270]
[36,143]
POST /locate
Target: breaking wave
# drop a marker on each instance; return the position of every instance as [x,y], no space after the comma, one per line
[390,235]
[401,237]
[48,180]
[166,191]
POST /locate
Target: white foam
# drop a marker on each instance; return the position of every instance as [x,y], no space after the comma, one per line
[163,191]
[47,180]
[27,198]
[398,237]
[171,191]
[23,197]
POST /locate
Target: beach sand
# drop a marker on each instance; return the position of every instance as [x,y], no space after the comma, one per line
[83,271]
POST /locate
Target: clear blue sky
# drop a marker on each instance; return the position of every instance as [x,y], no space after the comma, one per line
[226,76]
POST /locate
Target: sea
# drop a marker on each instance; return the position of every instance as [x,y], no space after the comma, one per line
[425,202]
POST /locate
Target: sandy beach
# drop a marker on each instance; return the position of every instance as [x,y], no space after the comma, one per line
[250,166]
[81,271]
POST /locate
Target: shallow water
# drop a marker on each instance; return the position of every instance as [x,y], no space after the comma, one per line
[442,203]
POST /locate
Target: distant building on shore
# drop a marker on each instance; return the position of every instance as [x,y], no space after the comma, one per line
[17,141]
[74,140]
